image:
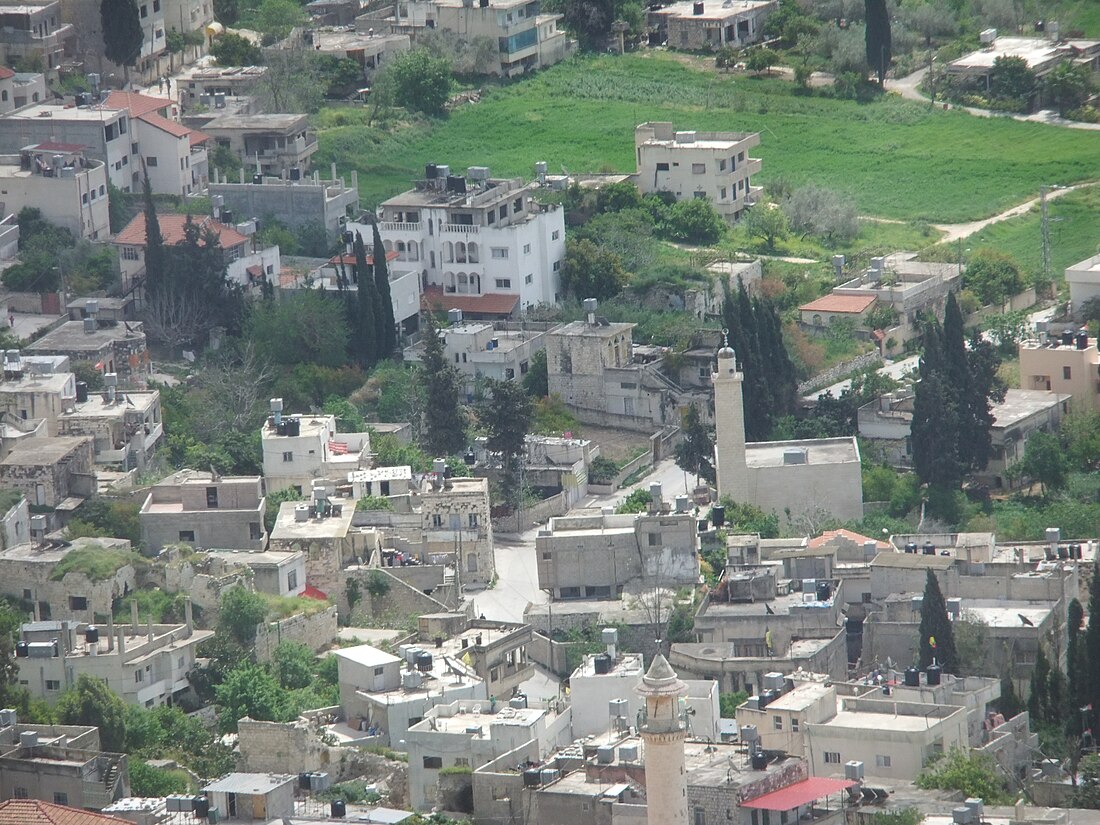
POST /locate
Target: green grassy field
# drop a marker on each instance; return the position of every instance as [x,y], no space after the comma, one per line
[1074,233]
[898,159]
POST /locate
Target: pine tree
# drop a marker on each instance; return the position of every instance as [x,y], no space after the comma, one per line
[1038,700]
[1009,704]
[1075,666]
[155,256]
[695,452]
[879,46]
[444,423]
[387,324]
[365,339]
[122,32]
[935,625]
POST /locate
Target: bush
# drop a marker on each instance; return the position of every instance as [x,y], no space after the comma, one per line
[603,470]
[694,221]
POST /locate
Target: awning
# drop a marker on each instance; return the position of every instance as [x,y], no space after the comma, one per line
[312,592]
[798,794]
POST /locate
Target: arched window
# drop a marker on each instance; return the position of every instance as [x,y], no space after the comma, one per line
[471,252]
[448,252]
[817,320]
[460,252]
[463,282]
[414,251]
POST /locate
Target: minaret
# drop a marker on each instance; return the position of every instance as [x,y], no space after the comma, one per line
[729,418]
[663,733]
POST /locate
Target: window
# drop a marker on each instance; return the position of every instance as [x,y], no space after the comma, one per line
[722,193]
[882,761]
[187,535]
[698,168]
[433,763]
[139,675]
[437,520]
[20,793]
[462,762]
[654,539]
[547,555]
[494,674]
[254,531]
[557,265]
[472,519]
[504,283]
[60,798]
[1066,373]
[866,598]
[794,724]
[499,252]
[529,278]
[78,602]
[288,456]
[212,497]
[722,165]
[832,758]
[292,580]
[27,594]
[662,167]
[527,249]
[150,161]
[517,205]
[53,684]
[699,816]
[777,722]
[144,11]
[555,234]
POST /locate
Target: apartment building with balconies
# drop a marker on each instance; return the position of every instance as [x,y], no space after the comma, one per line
[481,239]
[57,179]
[276,143]
[712,166]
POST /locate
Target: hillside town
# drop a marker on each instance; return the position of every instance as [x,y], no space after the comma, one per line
[522,412]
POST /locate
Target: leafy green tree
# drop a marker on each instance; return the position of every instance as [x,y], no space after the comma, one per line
[537,379]
[387,324]
[589,20]
[274,500]
[761,59]
[249,690]
[615,197]
[878,41]
[728,702]
[91,702]
[293,664]
[694,221]
[635,502]
[444,422]
[1038,700]
[239,612]
[695,452]
[227,12]
[767,222]
[591,272]
[993,276]
[1011,79]
[149,781]
[746,519]
[972,774]
[1090,688]
[308,327]
[1009,704]
[1068,86]
[122,33]
[815,210]
[1087,793]
[418,81]
[937,637]
[789,22]
[275,18]
[1044,461]
[506,414]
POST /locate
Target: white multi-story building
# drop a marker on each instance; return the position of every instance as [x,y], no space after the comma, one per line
[300,448]
[173,155]
[714,166]
[61,183]
[481,239]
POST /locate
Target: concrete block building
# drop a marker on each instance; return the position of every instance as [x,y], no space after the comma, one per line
[33,31]
[61,773]
[280,573]
[1064,361]
[490,241]
[300,448]
[275,144]
[714,166]
[69,189]
[712,24]
[788,478]
[248,797]
[111,347]
[205,510]
[51,472]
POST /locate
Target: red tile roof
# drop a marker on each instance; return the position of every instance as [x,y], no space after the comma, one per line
[198,137]
[798,794]
[37,812]
[854,304]
[136,104]
[5,73]
[172,230]
[491,303]
[52,146]
[349,260]
[164,124]
[829,535]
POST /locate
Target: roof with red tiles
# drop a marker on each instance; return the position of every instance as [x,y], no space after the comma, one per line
[853,304]
[349,260]
[135,103]
[829,535]
[6,73]
[37,812]
[491,303]
[172,230]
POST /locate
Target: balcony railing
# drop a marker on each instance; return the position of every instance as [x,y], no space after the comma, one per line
[399,226]
[461,229]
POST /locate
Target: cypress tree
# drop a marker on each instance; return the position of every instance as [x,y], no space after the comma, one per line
[1075,618]
[387,325]
[1038,700]
[878,41]
[444,425]
[1090,687]
[155,256]
[935,625]
[122,32]
[366,336]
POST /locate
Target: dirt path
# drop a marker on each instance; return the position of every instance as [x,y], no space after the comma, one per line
[956,231]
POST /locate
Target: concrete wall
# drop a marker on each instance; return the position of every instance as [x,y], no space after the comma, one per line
[315,632]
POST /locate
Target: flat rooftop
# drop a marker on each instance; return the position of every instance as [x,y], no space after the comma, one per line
[780,605]
[56,383]
[71,337]
[802,697]
[1019,405]
[478,194]
[287,529]
[98,407]
[250,783]
[1035,50]
[43,452]
[333,40]
[367,656]
[403,472]
[716,9]
[817,451]
[626,665]
[1005,614]
[597,330]
[459,722]
[258,123]
[864,721]
[258,558]
[43,112]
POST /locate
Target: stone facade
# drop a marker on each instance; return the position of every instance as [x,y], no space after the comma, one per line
[49,470]
[315,632]
[205,510]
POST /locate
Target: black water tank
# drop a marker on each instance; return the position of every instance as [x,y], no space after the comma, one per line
[910,547]
[338,809]
[424,663]
[200,807]
[1082,340]
[227,216]
[934,674]
[91,634]
[759,761]
[470,459]
[430,171]
[602,664]
[1067,338]
[22,649]
[257,178]
[532,778]
[1063,553]
[303,781]
[824,591]
[718,515]
[912,677]
[81,392]
[295,173]
[293,427]
[929,549]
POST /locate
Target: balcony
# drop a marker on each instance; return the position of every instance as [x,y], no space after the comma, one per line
[466,538]
[460,229]
[396,226]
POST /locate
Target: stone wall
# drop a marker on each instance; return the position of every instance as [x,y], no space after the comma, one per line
[315,632]
[839,372]
[399,601]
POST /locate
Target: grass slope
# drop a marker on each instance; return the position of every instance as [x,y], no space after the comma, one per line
[1074,233]
[898,159]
